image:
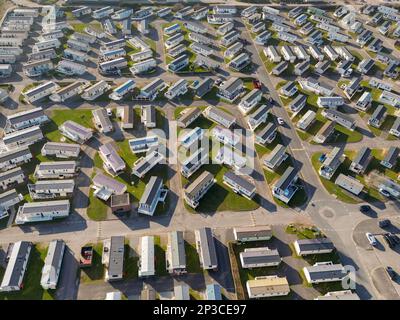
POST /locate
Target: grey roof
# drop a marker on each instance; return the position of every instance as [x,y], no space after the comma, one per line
[25,115]
[269,129]
[198,182]
[55,253]
[15,265]
[22,134]
[40,88]
[14,153]
[300,99]
[56,146]
[116,262]
[152,187]
[366,64]
[179,48]
[275,154]
[379,112]
[252,95]
[334,114]
[319,272]
[362,157]
[260,255]
[102,117]
[8,196]
[177,243]
[286,179]
[323,65]
[339,295]
[53,184]
[327,129]
[222,114]
[232,85]
[288,86]
[152,86]
[76,128]
[147,161]
[200,46]
[174,37]
[112,155]
[392,155]
[11,173]
[345,64]
[179,60]
[242,182]
[396,124]
[120,200]
[56,165]
[206,239]
[150,111]
[281,66]
[206,61]
[128,115]
[199,37]
[333,157]
[46,206]
[259,112]
[103,180]
[303,65]
[315,244]
[354,84]
[204,87]
[256,231]
[138,142]
[190,113]
[69,88]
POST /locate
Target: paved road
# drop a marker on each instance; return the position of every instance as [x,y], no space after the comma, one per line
[334,218]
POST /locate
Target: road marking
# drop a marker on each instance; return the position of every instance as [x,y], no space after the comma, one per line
[297,149]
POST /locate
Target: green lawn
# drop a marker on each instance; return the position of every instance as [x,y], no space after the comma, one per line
[59,116]
[159,252]
[130,264]
[342,134]
[378,155]
[96,271]
[135,185]
[80,27]
[195,295]
[250,274]
[272,176]
[220,197]
[32,289]
[303,232]
[97,208]
[269,65]
[329,185]
[192,259]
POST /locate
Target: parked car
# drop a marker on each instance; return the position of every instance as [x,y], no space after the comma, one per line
[256,84]
[109,112]
[384,192]
[86,257]
[280,121]
[365,208]
[371,239]
[322,158]
[388,240]
[196,83]
[384,223]
[392,274]
[218,81]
